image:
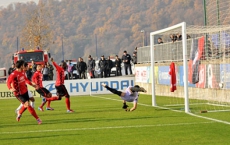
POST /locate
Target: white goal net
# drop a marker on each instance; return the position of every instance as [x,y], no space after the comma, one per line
[202,67]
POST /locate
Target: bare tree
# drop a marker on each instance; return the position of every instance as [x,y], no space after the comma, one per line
[37,31]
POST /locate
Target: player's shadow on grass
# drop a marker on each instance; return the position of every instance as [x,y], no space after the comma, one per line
[16,124]
[161,109]
[37,137]
[82,110]
[58,121]
[100,110]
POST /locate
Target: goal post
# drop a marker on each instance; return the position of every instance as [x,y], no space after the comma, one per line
[182,28]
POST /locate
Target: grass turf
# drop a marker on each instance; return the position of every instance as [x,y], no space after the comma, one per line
[98,120]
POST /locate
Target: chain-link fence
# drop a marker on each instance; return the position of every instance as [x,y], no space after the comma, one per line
[163,52]
[143,54]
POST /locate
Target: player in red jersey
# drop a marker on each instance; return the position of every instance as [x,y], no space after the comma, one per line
[32,100]
[59,85]
[37,79]
[17,84]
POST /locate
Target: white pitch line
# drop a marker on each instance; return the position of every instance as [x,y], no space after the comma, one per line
[218,105]
[101,128]
[220,111]
[106,98]
[198,116]
[183,104]
[212,119]
[138,103]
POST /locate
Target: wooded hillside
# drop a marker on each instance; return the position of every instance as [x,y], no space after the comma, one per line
[116,23]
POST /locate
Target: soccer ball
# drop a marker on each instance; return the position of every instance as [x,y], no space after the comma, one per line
[221,85]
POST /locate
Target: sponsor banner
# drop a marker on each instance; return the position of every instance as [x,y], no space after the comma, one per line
[142,74]
[92,86]
[78,87]
[163,75]
[202,76]
[181,77]
[225,75]
[6,94]
[213,75]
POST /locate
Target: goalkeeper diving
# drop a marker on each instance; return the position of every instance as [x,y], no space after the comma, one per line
[130,95]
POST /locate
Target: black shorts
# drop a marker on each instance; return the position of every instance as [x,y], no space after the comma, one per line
[43,92]
[23,98]
[61,91]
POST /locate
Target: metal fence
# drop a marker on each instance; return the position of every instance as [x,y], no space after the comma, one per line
[143,54]
[163,52]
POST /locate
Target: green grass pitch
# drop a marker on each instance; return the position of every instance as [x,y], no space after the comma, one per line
[100,120]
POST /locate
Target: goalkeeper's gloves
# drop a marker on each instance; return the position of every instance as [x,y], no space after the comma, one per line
[125,106]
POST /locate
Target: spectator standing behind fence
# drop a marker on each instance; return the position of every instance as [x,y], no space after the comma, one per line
[109,66]
[45,72]
[77,67]
[118,66]
[173,37]
[134,58]
[91,66]
[70,69]
[160,41]
[51,68]
[179,37]
[11,69]
[81,67]
[103,65]
[126,58]
[85,69]
[135,51]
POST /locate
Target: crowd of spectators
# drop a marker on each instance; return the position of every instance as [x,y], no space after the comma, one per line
[173,38]
[104,66]
[82,68]
[177,37]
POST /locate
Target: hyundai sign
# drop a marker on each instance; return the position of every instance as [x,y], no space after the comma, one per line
[92,86]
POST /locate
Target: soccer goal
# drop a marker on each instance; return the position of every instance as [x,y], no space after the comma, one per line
[167,56]
[202,66]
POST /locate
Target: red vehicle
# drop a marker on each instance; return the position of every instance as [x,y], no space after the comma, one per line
[37,55]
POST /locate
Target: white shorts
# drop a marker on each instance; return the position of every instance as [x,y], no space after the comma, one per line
[30,94]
